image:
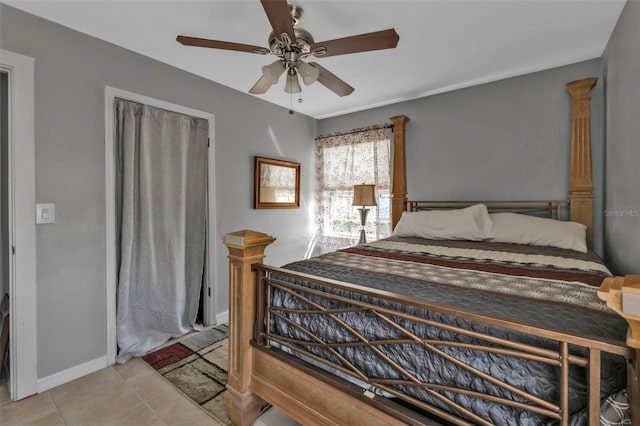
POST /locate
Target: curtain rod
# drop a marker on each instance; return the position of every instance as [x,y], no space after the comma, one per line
[360,130]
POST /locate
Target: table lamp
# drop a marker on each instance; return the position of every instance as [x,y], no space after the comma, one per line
[364,196]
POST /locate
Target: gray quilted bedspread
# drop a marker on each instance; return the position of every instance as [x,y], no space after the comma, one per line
[552,288]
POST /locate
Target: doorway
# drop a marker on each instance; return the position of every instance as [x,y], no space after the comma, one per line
[208,305]
[5,364]
[18,213]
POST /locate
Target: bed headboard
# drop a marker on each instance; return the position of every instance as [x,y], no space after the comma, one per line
[553,209]
[580,176]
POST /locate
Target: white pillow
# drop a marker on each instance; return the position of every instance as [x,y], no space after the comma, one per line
[471,223]
[538,231]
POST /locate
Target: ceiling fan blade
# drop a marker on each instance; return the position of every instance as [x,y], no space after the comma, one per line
[278,13]
[331,81]
[217,44]
[378,40]
[261,86]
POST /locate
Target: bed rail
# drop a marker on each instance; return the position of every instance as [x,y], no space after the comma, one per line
[567,350]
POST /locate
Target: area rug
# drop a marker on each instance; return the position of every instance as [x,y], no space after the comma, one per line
[197,365]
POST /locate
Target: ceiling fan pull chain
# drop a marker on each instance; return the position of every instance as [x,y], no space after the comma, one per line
[290,103]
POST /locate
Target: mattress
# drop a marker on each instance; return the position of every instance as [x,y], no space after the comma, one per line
[540,286]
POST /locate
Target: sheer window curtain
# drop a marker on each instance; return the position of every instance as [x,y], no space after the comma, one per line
[162,205]
[343,160]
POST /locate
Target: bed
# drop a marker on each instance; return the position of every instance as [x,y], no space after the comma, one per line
[406,331]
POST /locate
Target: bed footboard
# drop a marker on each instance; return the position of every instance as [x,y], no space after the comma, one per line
[261,370]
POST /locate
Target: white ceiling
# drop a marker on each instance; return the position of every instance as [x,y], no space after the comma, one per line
[444,45]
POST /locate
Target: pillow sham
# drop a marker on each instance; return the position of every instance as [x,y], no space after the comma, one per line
[538,231]
[471,223]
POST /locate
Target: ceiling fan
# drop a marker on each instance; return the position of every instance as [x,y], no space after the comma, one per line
[293,44]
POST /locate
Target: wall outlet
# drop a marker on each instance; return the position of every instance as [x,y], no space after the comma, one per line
[45,213]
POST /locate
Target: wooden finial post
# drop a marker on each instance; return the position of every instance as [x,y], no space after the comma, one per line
[580,177]
[245,248]
[622,294]
[399,176]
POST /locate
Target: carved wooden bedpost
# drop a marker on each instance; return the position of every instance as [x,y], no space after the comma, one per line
[622,294]
[245,248]
[580,181]
[399,177]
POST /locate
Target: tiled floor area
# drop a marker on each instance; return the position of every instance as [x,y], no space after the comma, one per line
[128,394]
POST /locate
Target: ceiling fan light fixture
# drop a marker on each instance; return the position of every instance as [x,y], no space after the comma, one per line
[293,85]
[293,44]
[272,72]
[309,73]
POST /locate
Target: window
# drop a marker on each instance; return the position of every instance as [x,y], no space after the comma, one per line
[343,160]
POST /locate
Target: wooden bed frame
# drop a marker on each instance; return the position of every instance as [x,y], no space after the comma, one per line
[258,373]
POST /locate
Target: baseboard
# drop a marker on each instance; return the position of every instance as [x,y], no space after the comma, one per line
[222,317]
[72,373]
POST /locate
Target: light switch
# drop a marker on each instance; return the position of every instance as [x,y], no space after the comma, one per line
[45,213]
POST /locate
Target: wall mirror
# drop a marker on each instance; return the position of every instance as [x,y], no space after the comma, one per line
[276,184]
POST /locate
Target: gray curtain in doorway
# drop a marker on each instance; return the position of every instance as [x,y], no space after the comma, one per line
[161,187]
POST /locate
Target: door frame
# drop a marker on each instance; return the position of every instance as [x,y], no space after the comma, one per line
[111,272]
[21,209]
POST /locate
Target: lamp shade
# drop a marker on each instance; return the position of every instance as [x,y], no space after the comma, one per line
[273,71]
[364,195]
[309,73]
[292,85]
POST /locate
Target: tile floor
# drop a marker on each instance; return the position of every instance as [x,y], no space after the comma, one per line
[128,394]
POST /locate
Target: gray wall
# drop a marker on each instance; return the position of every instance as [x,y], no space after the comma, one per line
[503,140]
[621,67]
[71,71]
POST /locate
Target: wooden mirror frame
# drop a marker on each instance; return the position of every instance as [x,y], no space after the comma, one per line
[259,163]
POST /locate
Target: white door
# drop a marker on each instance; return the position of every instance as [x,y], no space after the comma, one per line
[21,217]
